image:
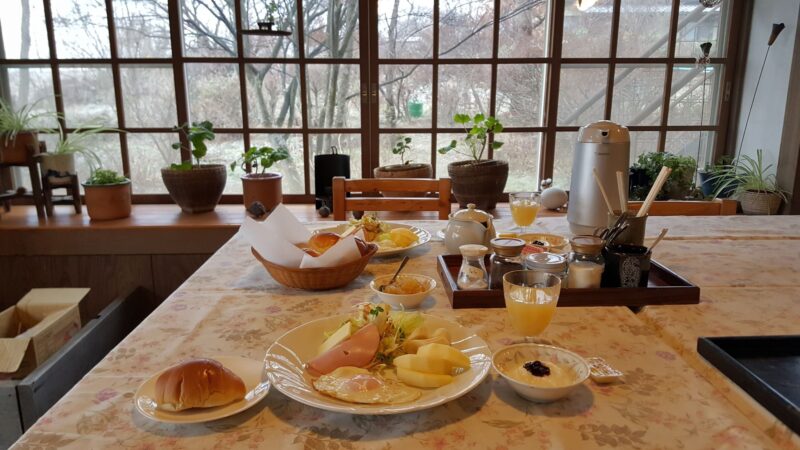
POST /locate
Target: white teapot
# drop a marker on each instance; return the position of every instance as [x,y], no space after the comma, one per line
[468,226]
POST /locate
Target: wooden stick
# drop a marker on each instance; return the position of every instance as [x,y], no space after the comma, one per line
[658,239]
[603,191]
[657,185]
[623,199]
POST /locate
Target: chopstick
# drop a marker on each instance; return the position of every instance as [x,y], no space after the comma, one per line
[657,185]
[623,202]
[603,191]
[659,238]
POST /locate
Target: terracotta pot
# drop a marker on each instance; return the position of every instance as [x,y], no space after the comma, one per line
[403,171]
[481,183]
[108,201]
[16,151]
[197,190]
[262,187]
[760,203]
[57,164]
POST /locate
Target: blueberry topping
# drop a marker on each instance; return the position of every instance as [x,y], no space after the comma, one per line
[537,368]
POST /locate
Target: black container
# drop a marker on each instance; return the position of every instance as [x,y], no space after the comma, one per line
[325,168]
[626,266]
[708,186]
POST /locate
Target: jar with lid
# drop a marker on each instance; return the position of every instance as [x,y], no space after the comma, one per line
[506,257]
[472,275]
[549,263]
[586,262]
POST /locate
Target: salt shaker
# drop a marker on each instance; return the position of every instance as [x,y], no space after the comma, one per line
[472,275]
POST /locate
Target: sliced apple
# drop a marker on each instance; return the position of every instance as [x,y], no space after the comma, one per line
[338,336]
[422,380]
[445,352]
[422,364]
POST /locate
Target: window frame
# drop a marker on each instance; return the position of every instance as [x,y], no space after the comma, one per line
[369,62]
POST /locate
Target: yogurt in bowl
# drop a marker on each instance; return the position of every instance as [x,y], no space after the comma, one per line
[540,373]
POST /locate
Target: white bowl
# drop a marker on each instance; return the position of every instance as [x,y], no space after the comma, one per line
[514,355]
[407,301]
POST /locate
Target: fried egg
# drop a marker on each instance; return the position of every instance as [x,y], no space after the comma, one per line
[356,385]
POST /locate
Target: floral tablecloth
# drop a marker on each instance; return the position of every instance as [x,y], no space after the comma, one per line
[231,306]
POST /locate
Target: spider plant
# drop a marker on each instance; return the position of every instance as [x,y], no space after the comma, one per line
[748,175]
[76,142]
[13,122]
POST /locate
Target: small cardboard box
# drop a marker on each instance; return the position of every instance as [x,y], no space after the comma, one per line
[36,327]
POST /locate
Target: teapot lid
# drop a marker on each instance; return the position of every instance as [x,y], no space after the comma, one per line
[471,213]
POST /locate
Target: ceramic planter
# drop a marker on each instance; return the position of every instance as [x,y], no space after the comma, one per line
[16,151]
[415,109]
[404,171]
[108,201]
[197,190]
[262,187]
[57,164]
[481,183]
[760,203]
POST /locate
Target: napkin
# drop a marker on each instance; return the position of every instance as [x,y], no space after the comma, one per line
[275,238]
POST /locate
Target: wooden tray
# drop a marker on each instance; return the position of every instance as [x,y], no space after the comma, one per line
[766,367]
[663,288]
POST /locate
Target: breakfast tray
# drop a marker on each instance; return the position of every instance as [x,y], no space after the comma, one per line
[766,367]
[664,287]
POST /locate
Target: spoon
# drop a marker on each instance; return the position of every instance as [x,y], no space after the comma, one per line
[402,264]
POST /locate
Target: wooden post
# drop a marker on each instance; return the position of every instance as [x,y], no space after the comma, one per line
[339,194]
[444,198]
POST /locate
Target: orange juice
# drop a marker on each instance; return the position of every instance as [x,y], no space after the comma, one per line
[524,212]
[530,309]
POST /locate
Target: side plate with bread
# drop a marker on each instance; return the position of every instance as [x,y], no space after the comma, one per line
[202,390]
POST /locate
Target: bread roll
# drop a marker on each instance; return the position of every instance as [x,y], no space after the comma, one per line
[197,383]
[321,242]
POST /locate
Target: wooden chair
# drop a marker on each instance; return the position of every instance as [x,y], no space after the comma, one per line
[372,201]
[716,207]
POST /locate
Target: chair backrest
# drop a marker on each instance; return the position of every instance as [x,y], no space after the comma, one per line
[372,201]
[715,207]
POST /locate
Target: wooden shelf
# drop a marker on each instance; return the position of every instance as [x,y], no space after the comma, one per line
[266,32]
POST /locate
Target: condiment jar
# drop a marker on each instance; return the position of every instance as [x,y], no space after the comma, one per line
[472,275]
[549,263]
[506,257]
[586,262]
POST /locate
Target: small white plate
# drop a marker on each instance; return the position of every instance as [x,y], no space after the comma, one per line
[422,237]
[286,358]
[251,371]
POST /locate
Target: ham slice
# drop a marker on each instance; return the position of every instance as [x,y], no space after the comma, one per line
[357,351]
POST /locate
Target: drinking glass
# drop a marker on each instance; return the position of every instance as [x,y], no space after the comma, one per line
[524,208]
[531,299]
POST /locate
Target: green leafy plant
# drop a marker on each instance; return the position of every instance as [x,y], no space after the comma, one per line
[748,175]
[478,129]
[13,122]
[272,9]
[197,134]
[77,142]
[260,157]
[680,181]
[402,147]
[103,177]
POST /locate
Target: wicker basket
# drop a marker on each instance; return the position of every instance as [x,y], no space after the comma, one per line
[318,279]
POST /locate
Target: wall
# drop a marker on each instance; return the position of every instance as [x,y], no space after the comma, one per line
[766,126]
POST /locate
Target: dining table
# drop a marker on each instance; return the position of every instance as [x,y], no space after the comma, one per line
[747,268]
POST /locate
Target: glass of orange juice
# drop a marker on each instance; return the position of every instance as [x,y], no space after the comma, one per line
[524,208]
[531,299]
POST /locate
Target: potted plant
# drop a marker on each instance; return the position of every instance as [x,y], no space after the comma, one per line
[755,189]
[18,134]
[60,161]
[266,25]
[258,184]
[679,185]
[107,195]
[707,175]
[415,108]
[196,188]
[406,169]
[477,180]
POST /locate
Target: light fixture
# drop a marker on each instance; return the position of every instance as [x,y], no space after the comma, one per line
[584,5]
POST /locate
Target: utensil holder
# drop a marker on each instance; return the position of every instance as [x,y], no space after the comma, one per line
[627,266]
[634,234]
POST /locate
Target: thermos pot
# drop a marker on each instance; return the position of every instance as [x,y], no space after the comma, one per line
[605,146]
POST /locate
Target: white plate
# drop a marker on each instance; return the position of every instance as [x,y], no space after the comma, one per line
[422,237]
[286,357]
[251,371]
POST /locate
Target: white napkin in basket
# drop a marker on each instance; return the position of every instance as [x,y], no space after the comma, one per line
[275,238]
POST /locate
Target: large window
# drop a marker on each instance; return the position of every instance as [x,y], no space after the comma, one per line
[357,75]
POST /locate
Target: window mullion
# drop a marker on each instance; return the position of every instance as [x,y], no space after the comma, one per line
[179,73]
[673,36]
[118,101]
[553,78]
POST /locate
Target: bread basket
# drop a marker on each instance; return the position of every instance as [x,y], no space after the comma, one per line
[318,279]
